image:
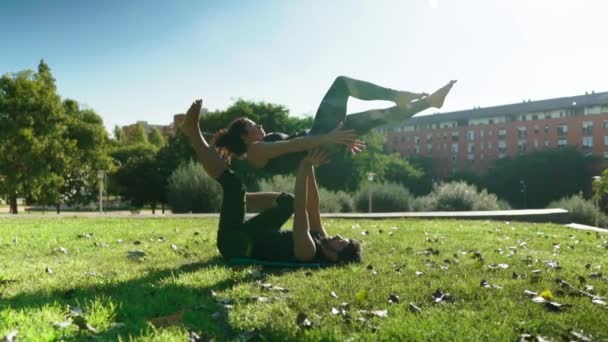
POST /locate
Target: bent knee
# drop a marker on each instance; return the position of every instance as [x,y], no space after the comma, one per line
[286,201]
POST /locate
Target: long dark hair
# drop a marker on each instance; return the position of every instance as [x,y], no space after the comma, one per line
[229,141]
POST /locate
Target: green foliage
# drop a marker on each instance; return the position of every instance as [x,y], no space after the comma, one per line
[119,135]
[330,201]
[387,197]
[34,152]
[137,135]
[548,175]
[156,138]
[137,177]
[191,190]
[335,201]
[458,196]
[278,183]
[581,210]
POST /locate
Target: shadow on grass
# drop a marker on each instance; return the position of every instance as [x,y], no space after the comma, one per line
[149,296]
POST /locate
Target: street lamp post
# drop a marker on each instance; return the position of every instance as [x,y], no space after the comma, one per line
[101,176]
[370,178]
[523,191]
[596,180]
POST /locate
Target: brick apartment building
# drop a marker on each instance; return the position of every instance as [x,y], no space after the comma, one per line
[472,140]
[166,130]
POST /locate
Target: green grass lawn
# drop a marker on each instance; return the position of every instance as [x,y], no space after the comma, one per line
[71,278]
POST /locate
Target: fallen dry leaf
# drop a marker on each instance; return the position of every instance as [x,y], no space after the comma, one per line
[11,336]
[166,321]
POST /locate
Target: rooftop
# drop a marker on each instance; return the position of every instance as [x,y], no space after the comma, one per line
[572,102]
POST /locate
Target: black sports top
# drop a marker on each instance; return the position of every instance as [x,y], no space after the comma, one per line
[287,163]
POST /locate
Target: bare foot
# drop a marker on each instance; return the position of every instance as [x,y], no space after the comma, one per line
[436,99]
[405,97]
[191,123]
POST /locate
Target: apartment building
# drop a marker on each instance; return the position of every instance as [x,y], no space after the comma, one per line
[472,140]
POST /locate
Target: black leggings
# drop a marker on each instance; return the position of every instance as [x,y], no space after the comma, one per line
[236,235]
[332,109]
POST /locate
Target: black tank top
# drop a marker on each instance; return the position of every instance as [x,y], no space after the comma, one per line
[286,163]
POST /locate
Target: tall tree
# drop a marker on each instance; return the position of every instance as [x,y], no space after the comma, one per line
[156,138]
[137,135]
[32,129]
[119,134]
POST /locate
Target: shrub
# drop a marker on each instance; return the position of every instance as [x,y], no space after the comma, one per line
[190,189]
[278,183]
[335,201]
[331,201]
[581,210]
[458,196]
[386,197]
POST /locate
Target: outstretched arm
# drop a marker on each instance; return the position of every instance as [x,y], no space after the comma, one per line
[303,245]
[259,153]
[212,163]
[313,207]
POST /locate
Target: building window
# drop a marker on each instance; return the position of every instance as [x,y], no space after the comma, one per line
[429,148]
[470,135]
[470,148]
[522,147]
[534,117]
[562,130]
[455,136]
[491,121]
[605,140]
[417,150]
[546,143]
[489,146]
[502,147]
[429,138]
[546,128]
[502,133]
[481,133]
[416,140]
[536,129]
[605,123]
[535,143]
[561,143]
[587,127]
[454,148]
[606,155]
[521,132]
[587,142]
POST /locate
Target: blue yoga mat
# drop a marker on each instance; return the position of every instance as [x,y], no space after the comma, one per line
[279,264]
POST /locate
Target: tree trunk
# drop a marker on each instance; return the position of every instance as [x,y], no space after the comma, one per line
[58,206]
[163,207]
[153,208]
[13,204]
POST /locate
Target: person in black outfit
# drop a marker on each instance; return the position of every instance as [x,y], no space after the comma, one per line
[261,236]
[279,153]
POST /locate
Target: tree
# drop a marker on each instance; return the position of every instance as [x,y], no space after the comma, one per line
[156,138]
[137,135]
[137,177]
[86,131]
[533,180]
[119,134]
[32,130]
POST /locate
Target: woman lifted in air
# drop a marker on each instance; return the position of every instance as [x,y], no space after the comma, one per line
[278,153]
[261,237]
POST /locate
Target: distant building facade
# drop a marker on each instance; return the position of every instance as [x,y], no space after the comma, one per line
[472,140]
[166,130]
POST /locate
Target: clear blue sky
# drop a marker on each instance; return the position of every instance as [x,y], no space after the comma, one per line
[147,60]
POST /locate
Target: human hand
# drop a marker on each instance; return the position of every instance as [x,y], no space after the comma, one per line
[339,135]
[195,108]
[316,157]
[356,146]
